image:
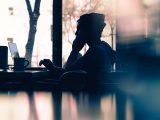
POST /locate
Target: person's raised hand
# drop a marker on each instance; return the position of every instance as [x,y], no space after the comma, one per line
[78,43]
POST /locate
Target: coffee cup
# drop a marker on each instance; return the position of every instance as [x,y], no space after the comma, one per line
[20,64]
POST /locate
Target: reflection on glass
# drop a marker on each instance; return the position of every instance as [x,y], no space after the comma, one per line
[108,107]
[75,106]
[43,105]
[23,106]
[129,110]
[69,107]
[14,106]
[89,106]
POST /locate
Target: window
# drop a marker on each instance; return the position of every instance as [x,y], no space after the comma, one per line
[73,9]
[15,26]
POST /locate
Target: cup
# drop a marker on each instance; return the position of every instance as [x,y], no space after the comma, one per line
[20,64]
[3,57]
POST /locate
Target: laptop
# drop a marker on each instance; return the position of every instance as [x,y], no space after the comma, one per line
[14,53]
[13,50]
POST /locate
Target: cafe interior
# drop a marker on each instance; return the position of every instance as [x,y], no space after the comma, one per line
[33,30]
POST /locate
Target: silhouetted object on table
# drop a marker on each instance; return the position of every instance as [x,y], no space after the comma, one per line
[97,60]
[3,57]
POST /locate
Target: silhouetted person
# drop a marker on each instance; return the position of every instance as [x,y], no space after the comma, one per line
[98,59]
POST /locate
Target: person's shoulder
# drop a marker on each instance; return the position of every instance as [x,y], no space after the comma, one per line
[104,43]
[100,48]
[106,46]
[97,49]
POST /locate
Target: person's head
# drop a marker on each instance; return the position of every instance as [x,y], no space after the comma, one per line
[90,27]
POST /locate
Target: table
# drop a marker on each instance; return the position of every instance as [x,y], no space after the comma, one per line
[21,79]
[43,80]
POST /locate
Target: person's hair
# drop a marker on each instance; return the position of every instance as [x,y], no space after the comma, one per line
[91,21]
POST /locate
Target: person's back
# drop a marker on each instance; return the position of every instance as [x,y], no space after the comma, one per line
[104,57]
[98,61]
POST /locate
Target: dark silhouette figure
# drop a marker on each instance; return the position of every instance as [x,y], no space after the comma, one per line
[98,59]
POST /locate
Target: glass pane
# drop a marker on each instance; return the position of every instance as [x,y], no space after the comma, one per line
[15,27]
[73,9]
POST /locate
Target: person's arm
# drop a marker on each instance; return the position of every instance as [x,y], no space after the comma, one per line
[72,58]
[85,62]
[49,65]
[77,45]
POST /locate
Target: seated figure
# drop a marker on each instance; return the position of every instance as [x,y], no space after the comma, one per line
[98,59]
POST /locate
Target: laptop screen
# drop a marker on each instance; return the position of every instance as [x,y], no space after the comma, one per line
[13,50]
